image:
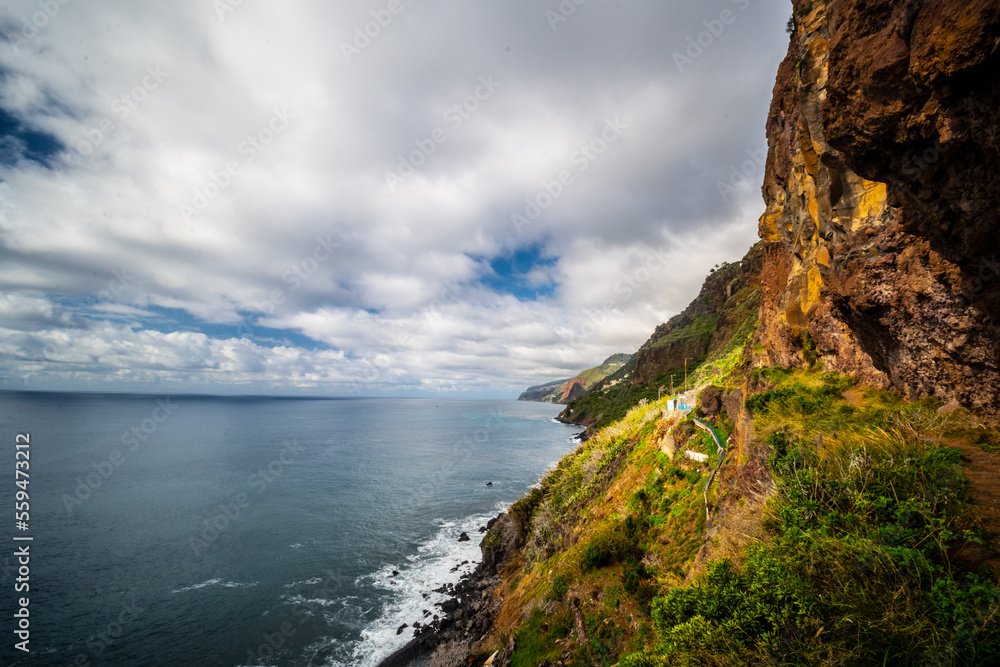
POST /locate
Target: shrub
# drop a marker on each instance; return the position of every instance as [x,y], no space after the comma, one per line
[492,539]
[809,352]
[766,603]
[559,588]
[612,543]
[603,549]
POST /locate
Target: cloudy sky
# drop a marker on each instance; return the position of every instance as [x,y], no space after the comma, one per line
[377,197]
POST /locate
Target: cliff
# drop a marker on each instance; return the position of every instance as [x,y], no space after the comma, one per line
[881,192]
[727,302]
[852,514]
[564,391]
[544,393]
[703,343]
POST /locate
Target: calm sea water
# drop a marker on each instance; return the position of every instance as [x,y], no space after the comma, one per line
[252,531]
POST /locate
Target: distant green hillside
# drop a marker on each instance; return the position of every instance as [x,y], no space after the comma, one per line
[563,391]
[544,392]
[711,334]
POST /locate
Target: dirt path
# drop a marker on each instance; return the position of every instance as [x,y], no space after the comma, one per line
[983,470]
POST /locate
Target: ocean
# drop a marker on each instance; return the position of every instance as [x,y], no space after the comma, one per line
[183,530]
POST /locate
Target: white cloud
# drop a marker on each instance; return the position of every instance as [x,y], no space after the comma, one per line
[162,104]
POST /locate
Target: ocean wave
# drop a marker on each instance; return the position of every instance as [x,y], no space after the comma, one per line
[307,582]
[439,561]
[301,599]
[216,582]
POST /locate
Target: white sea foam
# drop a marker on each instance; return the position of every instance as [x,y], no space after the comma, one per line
[215,582]
[301,599]
[307,582]
[438,562]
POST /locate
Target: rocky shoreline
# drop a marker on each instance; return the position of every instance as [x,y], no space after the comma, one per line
[466,617]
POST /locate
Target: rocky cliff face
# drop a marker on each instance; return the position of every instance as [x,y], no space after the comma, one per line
[728,298]
[882,193]
[564,391]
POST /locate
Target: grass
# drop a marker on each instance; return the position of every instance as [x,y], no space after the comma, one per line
[633,517]
[717,342]
[842,560]
[536,639]
[855,568]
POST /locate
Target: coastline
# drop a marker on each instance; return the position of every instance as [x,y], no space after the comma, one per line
[466,615]
[468,612]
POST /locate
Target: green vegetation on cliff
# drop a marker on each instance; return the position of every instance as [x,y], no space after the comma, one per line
[842,534]
[710,335]
[562,391]
[860,560]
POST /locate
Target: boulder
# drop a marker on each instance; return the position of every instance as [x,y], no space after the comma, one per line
[711,401]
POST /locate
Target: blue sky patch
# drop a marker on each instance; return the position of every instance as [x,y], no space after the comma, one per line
[511,273]
[18,142]
[171,320]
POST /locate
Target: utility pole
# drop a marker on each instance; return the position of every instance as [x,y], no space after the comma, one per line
[685,373]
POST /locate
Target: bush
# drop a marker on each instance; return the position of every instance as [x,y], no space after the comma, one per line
[798,398]
[604,548]
[560,586]
[492,539]
[809,352]
[766,603]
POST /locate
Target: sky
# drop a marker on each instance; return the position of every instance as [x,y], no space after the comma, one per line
[388,198]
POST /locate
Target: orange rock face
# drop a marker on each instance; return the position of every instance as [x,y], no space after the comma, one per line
[882,193]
